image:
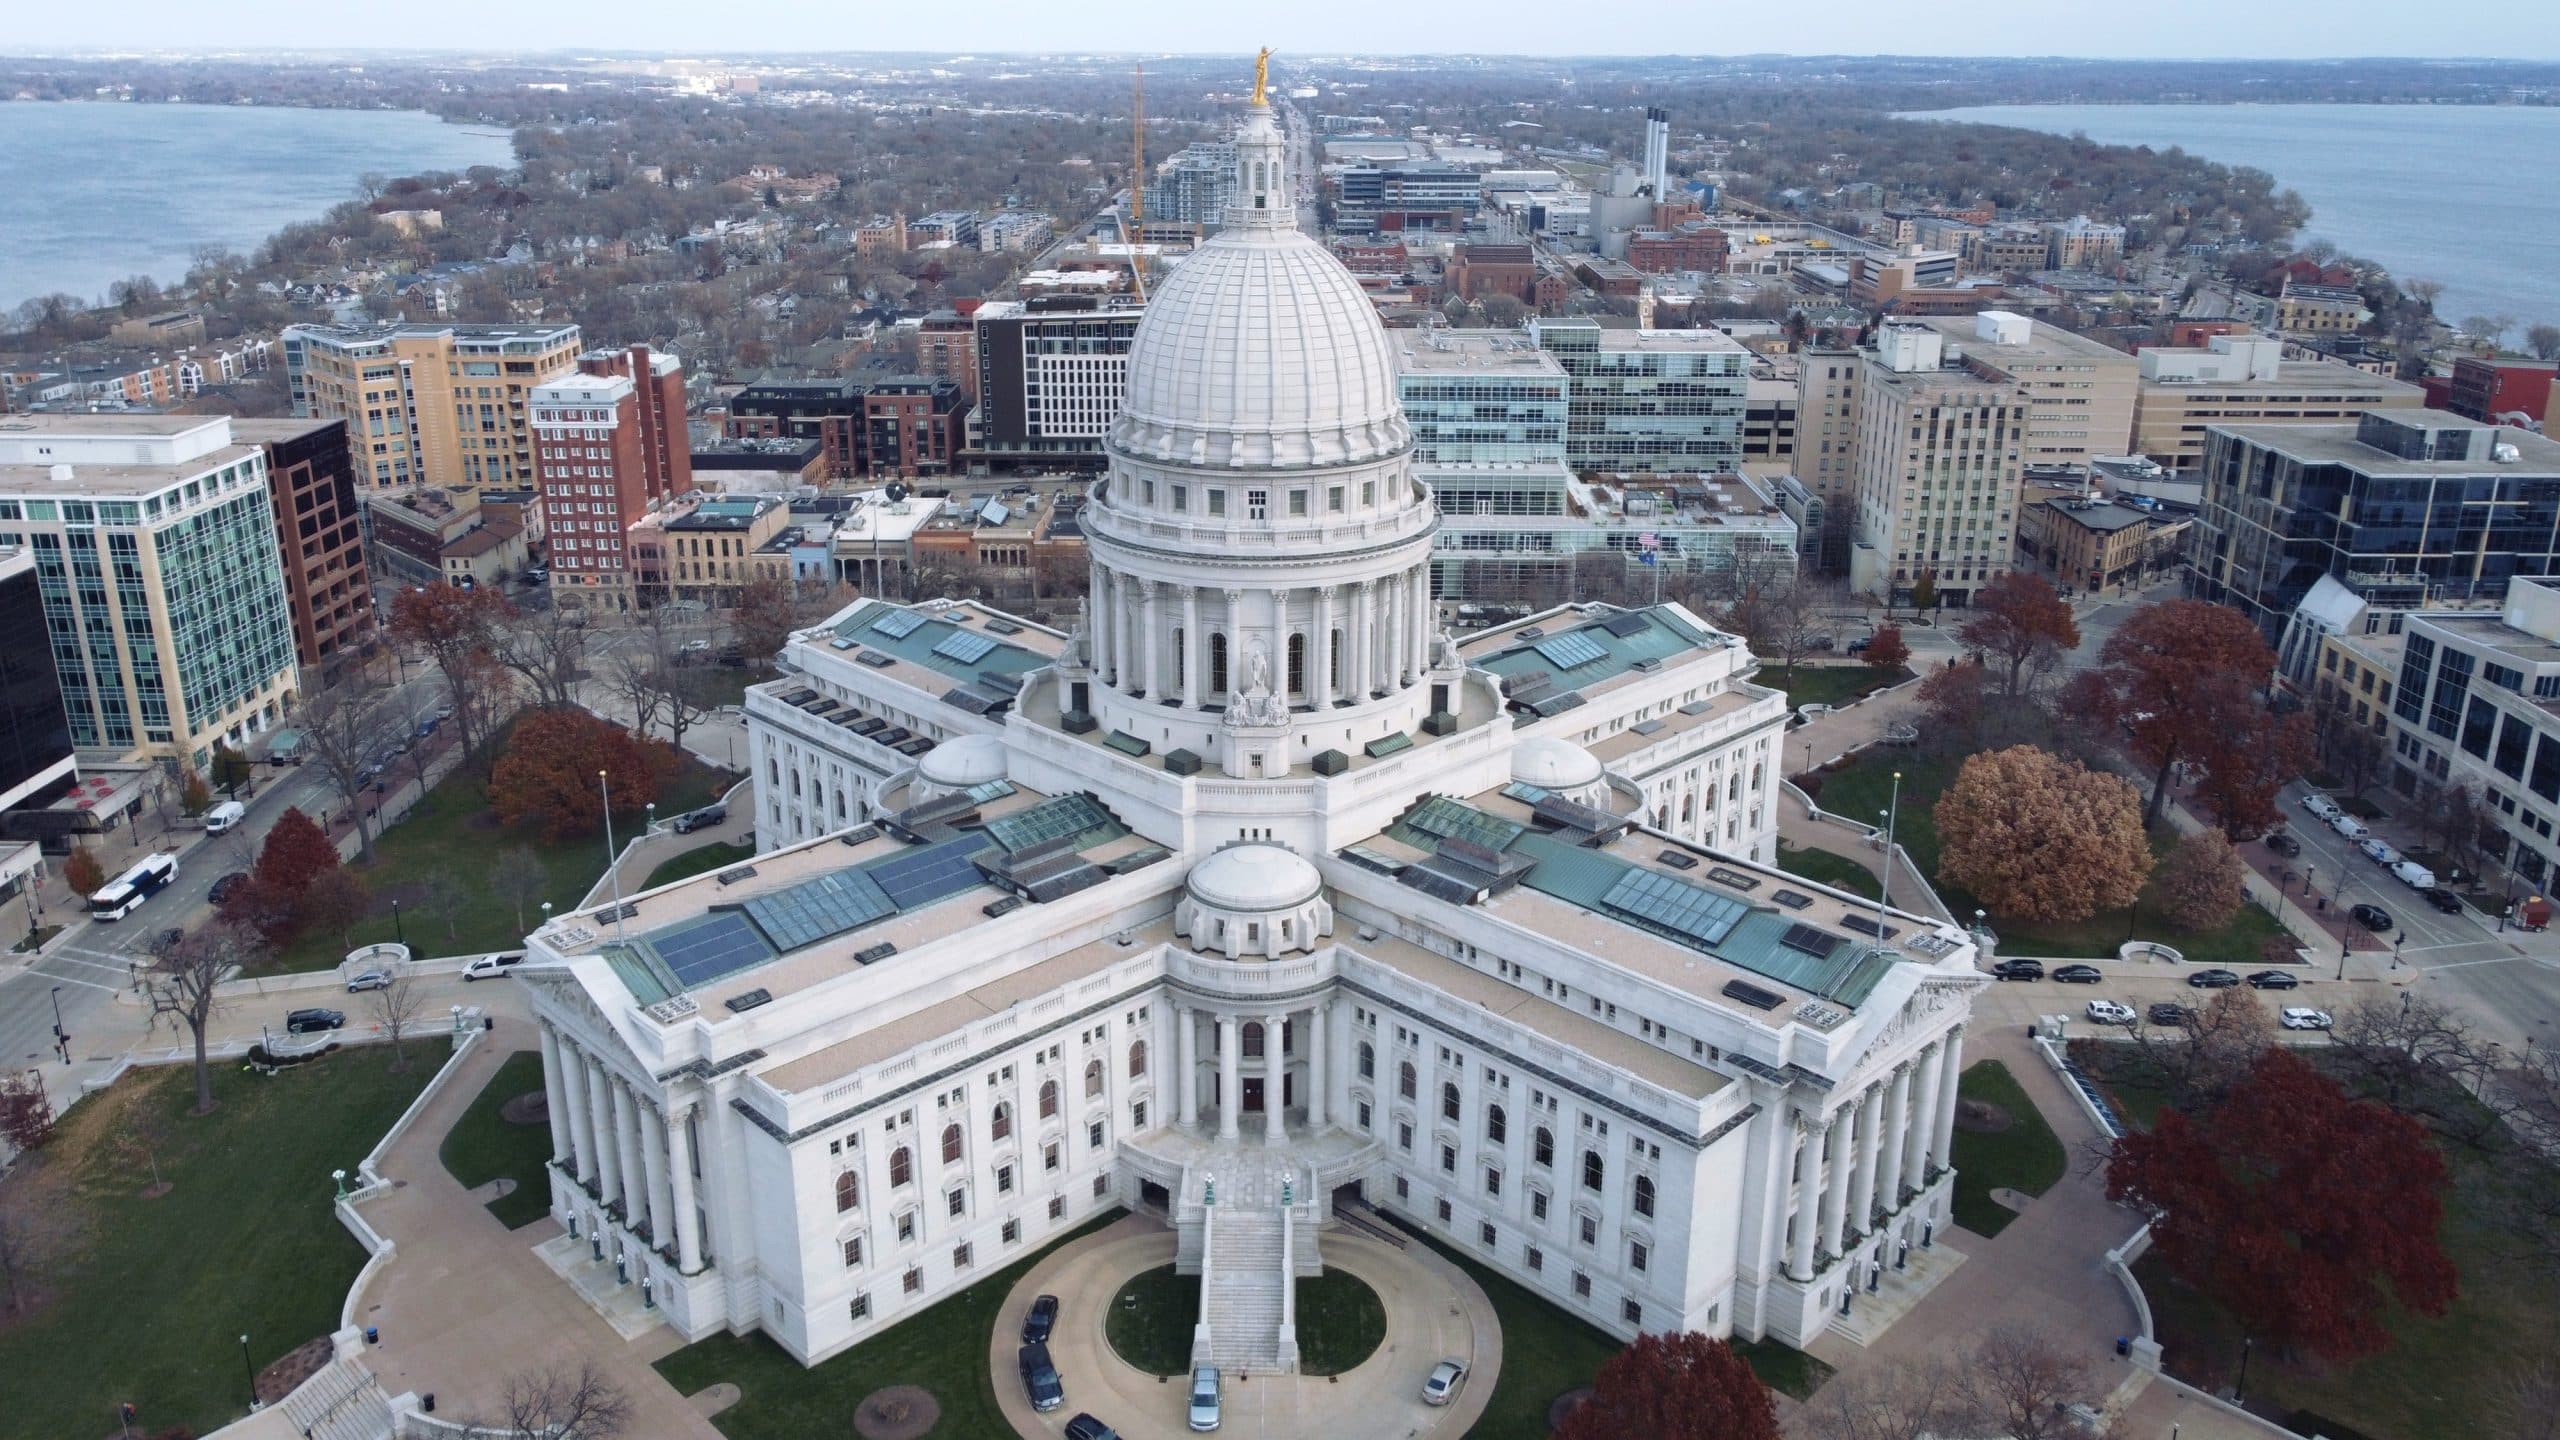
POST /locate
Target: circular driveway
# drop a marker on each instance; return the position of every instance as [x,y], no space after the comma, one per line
[1434,1312]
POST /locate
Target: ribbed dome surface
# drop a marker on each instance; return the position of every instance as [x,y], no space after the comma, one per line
[1260,350]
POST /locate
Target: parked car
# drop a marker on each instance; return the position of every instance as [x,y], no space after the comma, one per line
[1441,1386]
[2299,1017]
[2214,979]
[2275,980]
[1085,1427]
[1860,644]
[2444,900]
[704,818]
[224,816]
[2018,970]
[368,980]
[2168,1012]
[2414,875]
[2349,826]
[312,1021]
[2283,843]
[1040,1378]
[2321,805]
[224,887]
[2109,1012]
[2378,850]
[1205,1409]
[1042,1318]
[2371,917]
[167,941]
[2078,975]
[493,967]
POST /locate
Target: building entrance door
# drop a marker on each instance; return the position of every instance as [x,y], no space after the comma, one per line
[1253,1097]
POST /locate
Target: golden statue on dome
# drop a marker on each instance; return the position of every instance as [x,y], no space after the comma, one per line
[1261,75]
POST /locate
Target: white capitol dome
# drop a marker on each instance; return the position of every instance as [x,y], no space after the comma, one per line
[1253,899]
[960,763]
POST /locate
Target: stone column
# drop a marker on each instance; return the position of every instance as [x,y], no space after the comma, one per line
[608,1176]
[1230,1077]
[1101,609]
[653,1162]
[1949,1068]
[1417,626]
[1186,1046]
[1150,637]
[1838,1165]
[1897,1136]
[1924,1115]
[1794,1144]
[576,1114]
[1275,1087]
[1124,670]
[1316,1076]
[1192,657]
[680,1178]
[1391,622]
[1235,647]
[1320,652]
[1355,633]
[620,1184]
[1810,1137]
[555,1100]
[1862,1186]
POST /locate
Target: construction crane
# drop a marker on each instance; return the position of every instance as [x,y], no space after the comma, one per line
[1137,217]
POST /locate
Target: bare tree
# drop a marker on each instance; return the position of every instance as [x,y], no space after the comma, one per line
[2528,1402]
[2210,1052]
[548,652]
[1904,1398]
[2019,1384]
[345,730]
[396,1008]
[2543,341]
[520,878]
[182,985]
[35,1230]
[445,897]
[560,1402]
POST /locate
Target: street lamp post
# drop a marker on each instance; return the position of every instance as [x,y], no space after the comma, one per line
[249,1370]
[398,929]
[61,1037]
[2240,1388]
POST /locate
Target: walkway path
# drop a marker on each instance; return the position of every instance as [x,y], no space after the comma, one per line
[1434,1312]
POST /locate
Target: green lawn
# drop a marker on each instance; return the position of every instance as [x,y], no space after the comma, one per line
[701,860]
[154,1293]
[1863,788]
[1151,1319]
[482,1147]
[944,1349]
[452,835]
[2027,1156]
[1828,684]
[1341,1322]
[1838,871]
[1783,1368]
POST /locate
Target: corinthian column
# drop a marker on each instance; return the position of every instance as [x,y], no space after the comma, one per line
[1151,635]
[1192,656]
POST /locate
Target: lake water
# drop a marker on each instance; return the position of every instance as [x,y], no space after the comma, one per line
[97,192]
[2464,195]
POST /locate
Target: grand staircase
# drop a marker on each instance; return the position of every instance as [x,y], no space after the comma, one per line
[1245,1290]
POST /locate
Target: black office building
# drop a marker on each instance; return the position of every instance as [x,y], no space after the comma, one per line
[35,734]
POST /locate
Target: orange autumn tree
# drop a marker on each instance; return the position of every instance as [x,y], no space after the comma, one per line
[548,775]
[2039,838]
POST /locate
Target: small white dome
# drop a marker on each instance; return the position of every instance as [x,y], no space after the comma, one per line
[1245,879]
[959,763]
[1552,764]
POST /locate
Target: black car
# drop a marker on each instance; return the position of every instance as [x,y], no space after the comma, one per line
[1037,1324]
[166,943]
[1085,1427]
[2168,1012]
[693,820]
[2018,970]
[2275,980]
[307,1022]
[1040,1378]
[2078,975]
[2442,899]
[2283,843]
[223,888]
[2214,979]
[2371,917]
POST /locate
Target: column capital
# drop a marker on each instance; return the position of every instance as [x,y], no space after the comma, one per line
[1235,597]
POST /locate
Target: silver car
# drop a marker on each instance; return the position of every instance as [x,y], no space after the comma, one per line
[369,980]
[1204,1398]
[1442,1385]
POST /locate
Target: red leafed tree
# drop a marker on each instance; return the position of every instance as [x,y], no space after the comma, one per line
[1675,1387]
[2021,626]
[2185,679]
[82,872]
[548,774]
[2304,1212]
[1887,650]
[456,630]
[294,852]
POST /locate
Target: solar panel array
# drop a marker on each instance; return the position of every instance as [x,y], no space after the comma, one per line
[1626,623]
[922,876]
[1674,906]
[1570,649]
[718,944]
[1809,941]
[965,647]
[898,624]
[811,911]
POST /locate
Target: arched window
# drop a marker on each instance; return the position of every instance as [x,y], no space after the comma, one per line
[1297,664]
[902,1167]
[1000,1124]
[1644,1195]
[1496,1126]
[1048,1099]
[1137,1059]
[950,1144]
[1449,1100]
[1688,808]
[1092,1078]
[1405,1079]
[1217,662]
[1591,1169]
[848,1191]
[1755,776]
[1542,1146]
[1252,1041]
[1368,1061]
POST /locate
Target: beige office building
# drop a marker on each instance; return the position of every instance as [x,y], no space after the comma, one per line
[1940,454]
[2079,392]
[429,404]
[2244,380]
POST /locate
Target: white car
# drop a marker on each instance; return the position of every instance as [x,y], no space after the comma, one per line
[2108,1012]
[2302,1017]
[1442,1386]
[2378,851]
[2320,805]
[2349,826]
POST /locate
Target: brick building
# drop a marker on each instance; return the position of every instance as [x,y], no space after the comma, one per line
[828,411]
[913,426]
[2486,387]
[610,445]
[1701,248]
[319,535]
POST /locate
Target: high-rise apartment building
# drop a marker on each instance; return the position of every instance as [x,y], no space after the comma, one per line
[429,404]
[1649,399]
[36,760]
[2079,392]
[1050,372]
[1826,443]
[2245,380]
[154,540]
[610,445]
[2081,243]
[1478,397]
[947,348]
[1940,452]
[1196,186]
[319,535]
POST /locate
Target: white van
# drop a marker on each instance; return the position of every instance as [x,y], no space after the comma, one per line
[2349,826]
[223,816]
[2414,875]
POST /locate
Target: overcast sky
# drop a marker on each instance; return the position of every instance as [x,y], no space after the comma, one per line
[2523,29]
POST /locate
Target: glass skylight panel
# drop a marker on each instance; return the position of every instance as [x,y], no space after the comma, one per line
[718,944]
[812,910]
[1050,820]
[898,624]
[964,647]
[920,877]
[1675,906]
[1444,819]
[1570,649]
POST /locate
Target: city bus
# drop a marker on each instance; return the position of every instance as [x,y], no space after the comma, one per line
[123,895]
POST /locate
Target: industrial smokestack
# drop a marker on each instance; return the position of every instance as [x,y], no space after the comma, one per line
[1657,149]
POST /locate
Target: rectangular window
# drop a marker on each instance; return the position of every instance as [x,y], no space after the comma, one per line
[1589,1229]
[1101,1187]
[853,1253]
[1537,1204]
[912,1282]
[860,1309]
[1535,1258]
[1485,1233]
[1443,1208]
[960,1257]
[1637,1256]
[1012,1231]
[1217,502]
[1581,1285]
[907,1228]
[1057,1207]
[1633,1312]
[1298,502]
[1004,1179]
